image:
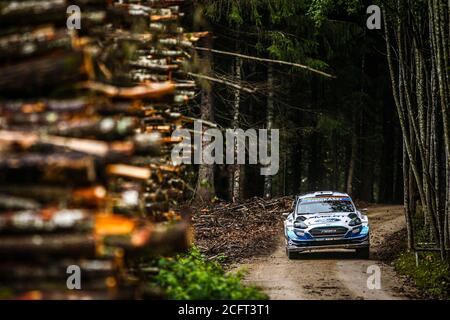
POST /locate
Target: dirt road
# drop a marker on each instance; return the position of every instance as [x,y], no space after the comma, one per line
[333,275]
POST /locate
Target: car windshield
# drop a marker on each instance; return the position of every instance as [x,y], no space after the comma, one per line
[325,206]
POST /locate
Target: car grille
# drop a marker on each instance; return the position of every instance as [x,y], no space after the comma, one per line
[328,232]
[327,242]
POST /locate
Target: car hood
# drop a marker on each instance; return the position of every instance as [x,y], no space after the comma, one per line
[325,219]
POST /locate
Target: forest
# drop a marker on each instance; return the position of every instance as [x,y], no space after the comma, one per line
[366,113]
[95,95]
[337,125]
[370,119]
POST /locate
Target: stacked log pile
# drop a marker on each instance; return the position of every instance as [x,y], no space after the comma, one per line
[86,118]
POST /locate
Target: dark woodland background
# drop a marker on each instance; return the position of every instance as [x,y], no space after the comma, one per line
[335,134]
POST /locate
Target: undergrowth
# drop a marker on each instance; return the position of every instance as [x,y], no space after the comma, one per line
[432,275]
[192,277]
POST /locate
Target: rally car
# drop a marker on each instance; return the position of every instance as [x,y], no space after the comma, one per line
[326,220]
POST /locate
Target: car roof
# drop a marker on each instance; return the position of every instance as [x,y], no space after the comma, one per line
[323,194]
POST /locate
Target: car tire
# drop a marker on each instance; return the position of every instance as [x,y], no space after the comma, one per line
[290,254]
[363,253]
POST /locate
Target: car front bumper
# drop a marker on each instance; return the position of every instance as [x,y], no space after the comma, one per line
[297,244]
[316,245]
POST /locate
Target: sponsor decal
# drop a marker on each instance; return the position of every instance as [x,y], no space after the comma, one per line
[322,199]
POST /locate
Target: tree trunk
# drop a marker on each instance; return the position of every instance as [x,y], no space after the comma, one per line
[418,93]
[236,174]
[205,190]
[335,145]
[351,166]
[270,114]
[407,206]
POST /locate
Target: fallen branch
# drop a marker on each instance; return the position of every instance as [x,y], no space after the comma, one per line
[230,84]
[240,230]
[298,65]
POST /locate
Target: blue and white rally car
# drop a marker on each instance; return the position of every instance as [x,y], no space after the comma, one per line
[326,220]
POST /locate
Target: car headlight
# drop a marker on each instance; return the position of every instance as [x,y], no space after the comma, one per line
[355,222]
[299,233]
[300,225]
[356,230]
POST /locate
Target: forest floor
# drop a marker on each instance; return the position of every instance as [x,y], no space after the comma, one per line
[233,232]
[338,274]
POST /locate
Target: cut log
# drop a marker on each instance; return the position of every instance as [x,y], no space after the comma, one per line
[18,46]
[109,234]
[15,203]
[92,196]
[43,74]
[66,167]
[129,171]
[65,294]
[13,271]
[96,148]
[15,13]
[45,221]
[155,240]
[33,246]
[151,90]
[103,129]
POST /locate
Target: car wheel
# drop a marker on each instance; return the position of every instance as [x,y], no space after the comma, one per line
[290,254]
[363,253]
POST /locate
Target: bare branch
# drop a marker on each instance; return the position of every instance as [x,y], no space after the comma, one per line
[298,65]
[227,83]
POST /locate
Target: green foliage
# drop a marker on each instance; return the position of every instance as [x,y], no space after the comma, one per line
[421,229]
[316,64]
[191,277]
[206,184]
[320,9]
[235,16]
[282,45]
[432,274]
[328,124]
[252,11]
[271,20]
[5,293]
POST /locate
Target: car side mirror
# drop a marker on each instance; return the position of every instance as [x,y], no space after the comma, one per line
[286,214]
